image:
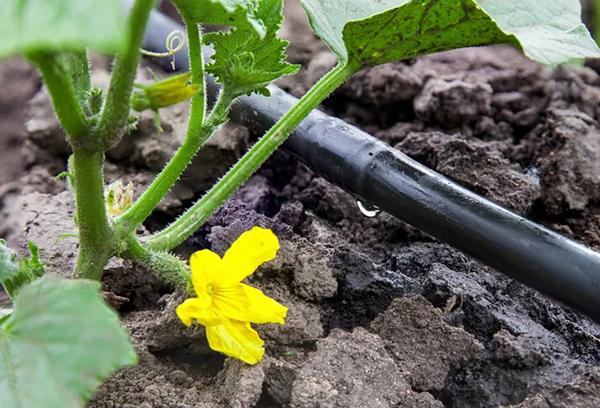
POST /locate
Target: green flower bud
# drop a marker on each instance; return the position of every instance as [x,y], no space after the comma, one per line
[118,198]
[164,93]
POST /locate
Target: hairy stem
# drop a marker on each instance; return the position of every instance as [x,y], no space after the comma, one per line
[95,233]
[116,107]
[198,133]
[194,217]
[64,98]
[78,66]
[167,267]
[165,180]
[198,109]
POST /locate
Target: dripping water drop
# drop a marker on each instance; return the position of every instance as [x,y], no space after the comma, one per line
[368,210]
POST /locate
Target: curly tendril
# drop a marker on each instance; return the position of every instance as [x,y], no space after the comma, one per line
[174,43]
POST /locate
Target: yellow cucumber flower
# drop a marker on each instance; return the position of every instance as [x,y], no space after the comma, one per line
[225,305]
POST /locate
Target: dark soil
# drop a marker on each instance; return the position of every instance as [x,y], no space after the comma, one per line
[381,315]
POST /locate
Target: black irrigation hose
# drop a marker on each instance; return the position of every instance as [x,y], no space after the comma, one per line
[382,176]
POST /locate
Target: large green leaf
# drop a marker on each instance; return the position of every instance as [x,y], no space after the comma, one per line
[328,18]
[369,33]
[59,344]
[44,25]
[239,13]
[550,32]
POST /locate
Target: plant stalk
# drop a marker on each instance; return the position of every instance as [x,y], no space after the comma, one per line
[198,133]
[78,66]
[64,98]
[194,217]
[95,233]
[165,180]
[167,267]
[114,116]
[198,107]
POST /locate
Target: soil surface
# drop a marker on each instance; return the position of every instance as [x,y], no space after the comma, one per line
[380,315]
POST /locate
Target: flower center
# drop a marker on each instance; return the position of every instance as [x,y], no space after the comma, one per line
[209,289]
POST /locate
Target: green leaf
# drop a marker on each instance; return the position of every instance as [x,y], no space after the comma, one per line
[244,62]
[238,13]
[4,315]
[66,25]
[550,32]
[59,344]
[9,266]
[13,273]
[33,265]
[369,33]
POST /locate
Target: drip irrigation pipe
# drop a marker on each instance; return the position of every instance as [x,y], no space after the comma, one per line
[382,176]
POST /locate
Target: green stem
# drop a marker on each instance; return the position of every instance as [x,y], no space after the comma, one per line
[95,233]
[78,66]
[194,217]
[167,267]
[198,109]
[135,250]
[195,138]
[197,134]
[116,107]
[59,84]
[596,7]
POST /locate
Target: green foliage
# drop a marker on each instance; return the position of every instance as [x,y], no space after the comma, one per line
[59,344]
[95,100]
[239,13]
[244,62]
[28,26]
[328,18]
[163,93]
[4,315]
[365,34]
[418,28]
[33,265]
[16,273]
[76,64]
[550,32]
[9,266]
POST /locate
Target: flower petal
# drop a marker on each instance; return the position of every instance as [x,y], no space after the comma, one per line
[206,268]
[263,309]
[236,339]
[248,252]
[196,309]
[232,301]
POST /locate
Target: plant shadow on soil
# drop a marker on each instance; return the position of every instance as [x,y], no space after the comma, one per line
[381,315]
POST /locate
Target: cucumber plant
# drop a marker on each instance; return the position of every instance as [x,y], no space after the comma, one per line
[55,36]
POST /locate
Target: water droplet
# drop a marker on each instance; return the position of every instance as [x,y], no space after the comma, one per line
[368,210]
